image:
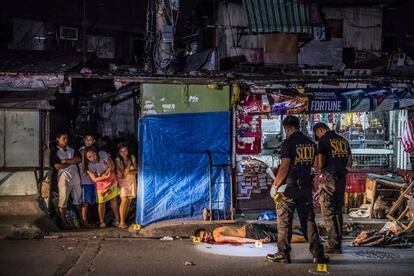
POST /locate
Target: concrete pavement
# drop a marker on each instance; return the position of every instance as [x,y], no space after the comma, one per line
[156,257]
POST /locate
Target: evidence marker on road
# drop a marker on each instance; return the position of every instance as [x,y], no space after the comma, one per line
[196,239]
[320,269]
[137,227]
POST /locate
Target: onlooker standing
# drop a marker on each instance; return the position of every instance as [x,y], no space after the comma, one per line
[126,165]
[64,160]
[101,170]
[88,186]
[333,159]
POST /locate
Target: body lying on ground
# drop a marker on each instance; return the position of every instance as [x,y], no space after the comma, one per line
[249,233]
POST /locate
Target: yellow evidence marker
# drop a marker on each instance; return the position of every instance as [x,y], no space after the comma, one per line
[196,240]
[137,227]
[322,268]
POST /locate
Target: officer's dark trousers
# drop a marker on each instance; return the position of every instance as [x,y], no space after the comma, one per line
[302,201]
[332,190]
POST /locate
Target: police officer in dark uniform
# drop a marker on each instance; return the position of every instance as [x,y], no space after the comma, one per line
[334,156]
[297,158]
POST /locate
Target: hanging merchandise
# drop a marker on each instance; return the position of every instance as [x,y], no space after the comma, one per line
[248,134]
[250,103]
[337,121]
[364,120]
[287,101]
[248,125]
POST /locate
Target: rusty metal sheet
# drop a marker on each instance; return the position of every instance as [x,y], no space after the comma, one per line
[21,138]
[1,138]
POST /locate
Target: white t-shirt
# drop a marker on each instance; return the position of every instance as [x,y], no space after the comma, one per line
[69,153]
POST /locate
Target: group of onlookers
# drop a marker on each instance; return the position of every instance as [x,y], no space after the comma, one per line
[90,175]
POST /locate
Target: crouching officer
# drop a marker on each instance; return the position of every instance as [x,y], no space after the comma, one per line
[297,158]
[334,156]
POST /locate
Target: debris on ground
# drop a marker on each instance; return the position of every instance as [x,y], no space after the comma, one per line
[390,235]
[167,238]
[187,263]
[362,212]
[269,215]
[51,237]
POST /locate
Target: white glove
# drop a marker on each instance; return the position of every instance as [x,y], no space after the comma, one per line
[273,191]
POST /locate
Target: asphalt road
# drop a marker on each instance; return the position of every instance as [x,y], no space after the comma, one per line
[156,257]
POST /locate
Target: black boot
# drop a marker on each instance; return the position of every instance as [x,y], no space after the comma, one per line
[278,258]
[323,259]
[332,250]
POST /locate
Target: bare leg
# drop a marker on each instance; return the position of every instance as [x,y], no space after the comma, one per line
[127,208]
[85,213]
[114,207]
[101,212]
[123,211]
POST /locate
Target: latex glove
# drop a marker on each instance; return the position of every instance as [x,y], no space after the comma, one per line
[273,191]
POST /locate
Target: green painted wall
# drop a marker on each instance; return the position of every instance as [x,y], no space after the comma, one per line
[183,98]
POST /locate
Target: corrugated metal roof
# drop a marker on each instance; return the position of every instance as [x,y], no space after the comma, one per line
[362,26]
[284,16]
[27,99]
[38,61]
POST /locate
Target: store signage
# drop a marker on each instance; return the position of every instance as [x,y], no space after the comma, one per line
[284,101]
[326,106]
[325,101]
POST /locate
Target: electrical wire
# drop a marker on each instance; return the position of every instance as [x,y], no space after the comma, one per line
[163,58]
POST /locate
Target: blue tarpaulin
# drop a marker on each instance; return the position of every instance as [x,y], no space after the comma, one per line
[174,178]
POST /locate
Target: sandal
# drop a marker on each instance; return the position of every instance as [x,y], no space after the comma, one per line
[122,226]
[102,225]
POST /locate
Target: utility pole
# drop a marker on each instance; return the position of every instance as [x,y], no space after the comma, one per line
[149,37]
[164,45]
[84,40]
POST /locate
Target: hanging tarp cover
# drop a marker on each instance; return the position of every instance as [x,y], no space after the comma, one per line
[284,16]
[174,166]
[294,101]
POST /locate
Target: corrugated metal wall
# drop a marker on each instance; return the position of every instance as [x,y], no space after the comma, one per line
[362,26]
[231,15]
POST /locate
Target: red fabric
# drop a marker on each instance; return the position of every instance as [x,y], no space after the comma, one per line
[355,182]
[407,137]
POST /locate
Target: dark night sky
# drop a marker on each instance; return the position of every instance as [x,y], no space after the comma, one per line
[128,14]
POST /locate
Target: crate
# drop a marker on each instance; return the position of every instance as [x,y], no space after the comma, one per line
[363,161]
[374,188]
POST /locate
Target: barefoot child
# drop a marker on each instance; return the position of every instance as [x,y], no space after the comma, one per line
[101,169]
[88,186]
[127,177]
